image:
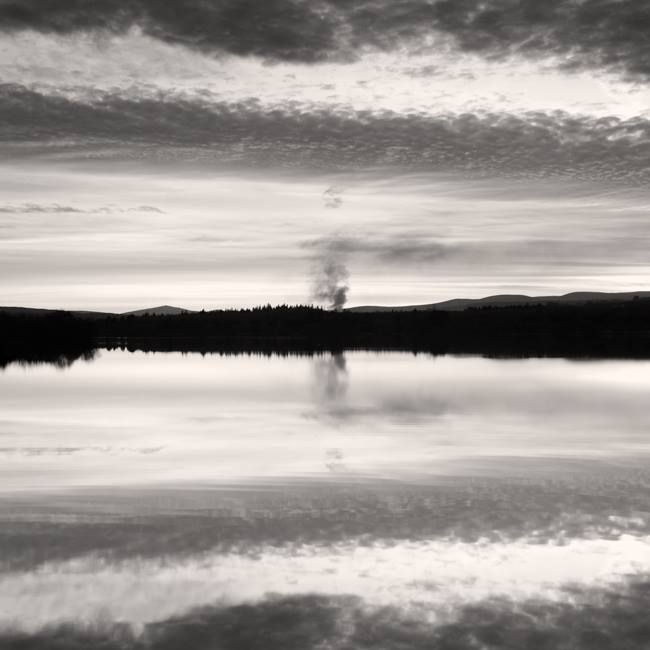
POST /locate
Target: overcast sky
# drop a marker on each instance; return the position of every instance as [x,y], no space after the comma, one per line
[205,154]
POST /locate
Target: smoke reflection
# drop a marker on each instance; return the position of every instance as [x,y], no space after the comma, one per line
[330,380]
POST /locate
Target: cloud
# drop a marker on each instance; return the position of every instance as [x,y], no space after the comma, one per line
[55,208]
[398,248]
[334,461]
[33,208]
[160,125]
[67,451]
[209,239]
[423,248]
[588,34]
[276,29]
[146,208]
[332,196]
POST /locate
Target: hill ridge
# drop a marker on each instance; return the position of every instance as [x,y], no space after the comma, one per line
[460,304]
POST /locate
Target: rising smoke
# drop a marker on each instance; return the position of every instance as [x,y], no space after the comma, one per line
[331,278]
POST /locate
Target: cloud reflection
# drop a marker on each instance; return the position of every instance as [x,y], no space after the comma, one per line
[603,619]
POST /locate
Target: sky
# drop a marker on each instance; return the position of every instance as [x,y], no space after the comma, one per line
[212,154]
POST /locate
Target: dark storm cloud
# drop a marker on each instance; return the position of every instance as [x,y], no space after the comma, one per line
[591,33]
[287,30]
[533,144]
[611,618]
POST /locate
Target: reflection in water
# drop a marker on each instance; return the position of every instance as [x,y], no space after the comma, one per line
[330,387]
[57,358]
[330,378]
[385,500]
[232,419]
[596,618]
[433,577]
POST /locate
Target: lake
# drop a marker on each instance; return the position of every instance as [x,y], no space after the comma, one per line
[350,500]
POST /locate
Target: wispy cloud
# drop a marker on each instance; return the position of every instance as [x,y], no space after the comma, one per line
[398,248]
[55,208]
[68,451]
[425,248]
[332,196]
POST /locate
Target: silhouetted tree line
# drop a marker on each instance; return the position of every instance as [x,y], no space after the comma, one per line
[598,329]
[54,337]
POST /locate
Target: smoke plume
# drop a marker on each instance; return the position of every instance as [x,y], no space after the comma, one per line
[331,278]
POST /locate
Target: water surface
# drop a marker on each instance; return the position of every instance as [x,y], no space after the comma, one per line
[344,500]
[157,419]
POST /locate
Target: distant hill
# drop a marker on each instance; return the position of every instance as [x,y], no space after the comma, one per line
[163,310]
[456,304]
[505,300]
[30,311]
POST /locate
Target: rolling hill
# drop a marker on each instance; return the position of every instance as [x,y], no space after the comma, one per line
[507,300]
[163,310]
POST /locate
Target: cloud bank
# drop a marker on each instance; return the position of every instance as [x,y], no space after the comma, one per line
[590,34]
[168,125]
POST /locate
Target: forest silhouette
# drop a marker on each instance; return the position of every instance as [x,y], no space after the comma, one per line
[598,329]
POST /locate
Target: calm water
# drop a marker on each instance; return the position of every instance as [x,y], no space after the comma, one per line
[338,501]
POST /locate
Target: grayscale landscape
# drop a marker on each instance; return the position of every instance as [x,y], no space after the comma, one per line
[324,325]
